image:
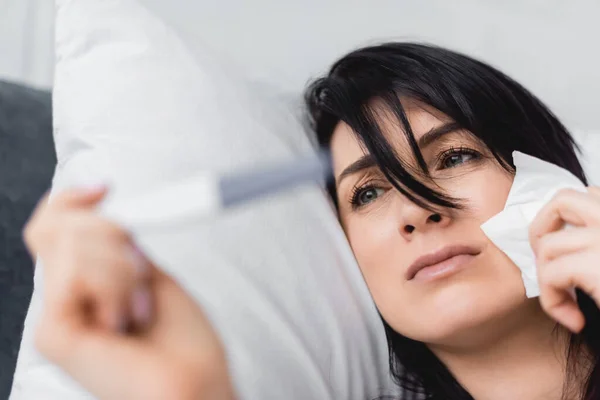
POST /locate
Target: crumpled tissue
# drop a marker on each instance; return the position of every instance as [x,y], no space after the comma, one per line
[536,182]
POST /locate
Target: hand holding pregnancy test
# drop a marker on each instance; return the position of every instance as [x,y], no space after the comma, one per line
[106,307]
[104,301]
[202,196]
[550,228]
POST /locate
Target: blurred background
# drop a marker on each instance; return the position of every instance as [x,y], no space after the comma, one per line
[549,45]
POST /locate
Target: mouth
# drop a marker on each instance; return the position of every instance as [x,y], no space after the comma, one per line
[441,262]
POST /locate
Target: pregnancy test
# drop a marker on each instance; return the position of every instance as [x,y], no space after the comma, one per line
[208,194]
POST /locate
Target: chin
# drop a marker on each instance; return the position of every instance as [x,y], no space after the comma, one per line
[462,311]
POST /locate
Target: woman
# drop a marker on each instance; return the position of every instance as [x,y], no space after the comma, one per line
[440,129]
[421,140]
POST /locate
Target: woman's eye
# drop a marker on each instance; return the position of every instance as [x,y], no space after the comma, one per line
[366,196]
[456,158]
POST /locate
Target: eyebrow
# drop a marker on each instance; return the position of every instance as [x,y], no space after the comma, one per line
[436,133]
[367,161]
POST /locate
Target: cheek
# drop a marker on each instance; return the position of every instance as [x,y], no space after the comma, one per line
[379,252]
[372,239]
[485,190]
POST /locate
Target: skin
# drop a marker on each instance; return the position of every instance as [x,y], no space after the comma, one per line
[384,250]
[124,329]
[117,324]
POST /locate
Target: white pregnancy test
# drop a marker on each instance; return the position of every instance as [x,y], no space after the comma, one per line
[208,194]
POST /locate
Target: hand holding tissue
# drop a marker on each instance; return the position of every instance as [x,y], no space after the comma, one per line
[536,182]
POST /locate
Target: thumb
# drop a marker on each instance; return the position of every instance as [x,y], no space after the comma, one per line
[83,197]
[176,312]
[181,326]
[64,201]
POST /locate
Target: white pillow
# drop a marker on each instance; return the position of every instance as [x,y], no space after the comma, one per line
[133,105]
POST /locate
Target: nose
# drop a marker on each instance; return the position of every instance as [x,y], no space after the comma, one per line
[415,219]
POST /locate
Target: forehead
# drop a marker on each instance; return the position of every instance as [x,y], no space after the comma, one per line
[346,148]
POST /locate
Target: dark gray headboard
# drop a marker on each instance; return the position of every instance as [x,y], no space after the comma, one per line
[27,162]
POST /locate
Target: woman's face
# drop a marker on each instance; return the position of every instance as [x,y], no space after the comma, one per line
[403,250]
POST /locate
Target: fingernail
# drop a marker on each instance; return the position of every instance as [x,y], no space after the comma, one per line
[139,261]
[141,305]
[93,188]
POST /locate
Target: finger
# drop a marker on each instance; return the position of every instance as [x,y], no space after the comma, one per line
[555,244]
[40,205]
[559,276]
[141,308]
[177,314]
[32,226]
[171,296]
[90,289]
[594,191]
[43,221]
[568,206]
[94,272]
[117,285]
[85,197]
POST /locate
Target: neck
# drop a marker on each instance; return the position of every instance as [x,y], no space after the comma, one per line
[525,360]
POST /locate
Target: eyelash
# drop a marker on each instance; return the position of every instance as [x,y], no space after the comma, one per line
[357,191]
[453,151]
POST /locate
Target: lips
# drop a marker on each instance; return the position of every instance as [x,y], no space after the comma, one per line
[438,257]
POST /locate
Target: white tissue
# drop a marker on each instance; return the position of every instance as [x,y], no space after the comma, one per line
[535,184]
